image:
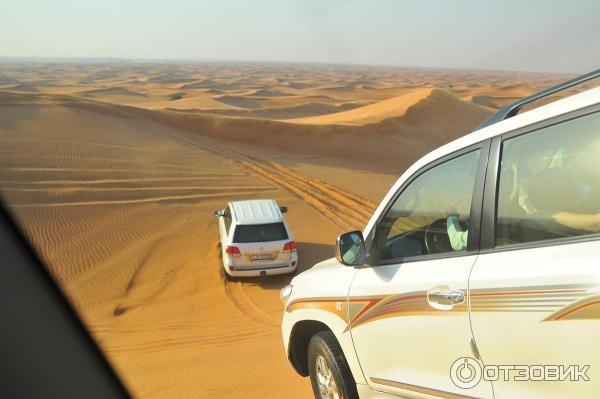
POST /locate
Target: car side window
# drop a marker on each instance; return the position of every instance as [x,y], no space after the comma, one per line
[549,183]
[227,218]
[432,214]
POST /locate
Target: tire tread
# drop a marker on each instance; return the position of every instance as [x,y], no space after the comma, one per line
[325,342]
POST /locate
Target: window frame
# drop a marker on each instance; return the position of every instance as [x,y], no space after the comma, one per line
[491,191]
[475,212]
[235,233]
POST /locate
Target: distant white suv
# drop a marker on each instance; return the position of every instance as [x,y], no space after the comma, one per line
[478,276]
[255,239]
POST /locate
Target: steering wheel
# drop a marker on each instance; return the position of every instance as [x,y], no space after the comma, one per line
[436,237]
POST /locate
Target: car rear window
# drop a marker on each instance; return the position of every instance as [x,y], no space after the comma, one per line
[260,233]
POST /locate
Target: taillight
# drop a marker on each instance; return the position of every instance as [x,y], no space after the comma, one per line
[233,251]
[289,246]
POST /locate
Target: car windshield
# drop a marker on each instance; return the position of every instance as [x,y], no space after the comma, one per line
[260,233]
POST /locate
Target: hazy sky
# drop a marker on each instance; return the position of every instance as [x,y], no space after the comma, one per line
[533,35]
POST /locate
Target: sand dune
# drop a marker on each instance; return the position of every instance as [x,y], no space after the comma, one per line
[493,101]
[8,80]
[371,113]
[214,91]
[270,85]
[268,93]
[115,95]
[111,90]
[297,111]
[23,87]
[145,285]
[190,103]
[239,101]
[117,193]
[440,116]
[340,89]
[303,99]
[301,85]
[169,78]
[206,83]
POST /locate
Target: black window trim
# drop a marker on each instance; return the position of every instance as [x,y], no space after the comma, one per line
[490,195]
[236,232]
[475,213]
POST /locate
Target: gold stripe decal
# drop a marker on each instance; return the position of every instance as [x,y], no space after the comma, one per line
[361,310]
[584,309]
[335,305]
[565,302]
[419,389]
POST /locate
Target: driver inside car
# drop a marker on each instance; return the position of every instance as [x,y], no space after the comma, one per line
[580,212]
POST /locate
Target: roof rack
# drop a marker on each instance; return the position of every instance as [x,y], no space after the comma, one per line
[512,109]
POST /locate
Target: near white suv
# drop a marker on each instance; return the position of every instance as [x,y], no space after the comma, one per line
[255,239]
[477,276]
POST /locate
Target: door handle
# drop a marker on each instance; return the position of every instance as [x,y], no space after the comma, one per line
[446,298]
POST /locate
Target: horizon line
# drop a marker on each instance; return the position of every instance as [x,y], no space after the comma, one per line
[124,60]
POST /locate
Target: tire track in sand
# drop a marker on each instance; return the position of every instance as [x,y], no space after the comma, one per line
[234,290]
[346,210]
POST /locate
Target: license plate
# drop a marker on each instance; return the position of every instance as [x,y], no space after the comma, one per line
[261,257]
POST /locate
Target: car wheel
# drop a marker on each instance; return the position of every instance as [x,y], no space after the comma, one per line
[330,374]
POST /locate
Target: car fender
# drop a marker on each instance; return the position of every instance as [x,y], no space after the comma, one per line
[334,323]
[321,295]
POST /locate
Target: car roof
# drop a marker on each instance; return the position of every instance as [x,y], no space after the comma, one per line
[256,211]
[556,108]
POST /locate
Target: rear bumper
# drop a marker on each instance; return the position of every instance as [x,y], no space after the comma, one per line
[261,271]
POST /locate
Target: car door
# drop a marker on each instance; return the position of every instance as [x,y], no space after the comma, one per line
[408,312]
[535,288]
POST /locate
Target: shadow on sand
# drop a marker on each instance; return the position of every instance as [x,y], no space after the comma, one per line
[309,254]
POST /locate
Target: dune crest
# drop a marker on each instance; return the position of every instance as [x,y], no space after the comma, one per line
[372,113]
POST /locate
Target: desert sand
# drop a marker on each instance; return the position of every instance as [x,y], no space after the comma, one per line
[114,171]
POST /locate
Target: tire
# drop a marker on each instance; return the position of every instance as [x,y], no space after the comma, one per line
[325,357]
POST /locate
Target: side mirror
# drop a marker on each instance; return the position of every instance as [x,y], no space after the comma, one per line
[350,249]
[283,209]
[219,213]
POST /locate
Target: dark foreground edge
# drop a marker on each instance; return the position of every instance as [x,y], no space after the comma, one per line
[46,351]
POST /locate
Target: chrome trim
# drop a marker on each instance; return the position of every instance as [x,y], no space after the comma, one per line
[420,389]
[243,269]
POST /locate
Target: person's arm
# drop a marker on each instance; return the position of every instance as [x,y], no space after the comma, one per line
[458,238]
[579,221]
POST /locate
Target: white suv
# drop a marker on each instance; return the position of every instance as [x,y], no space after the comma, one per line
[477,276]
[255,239]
